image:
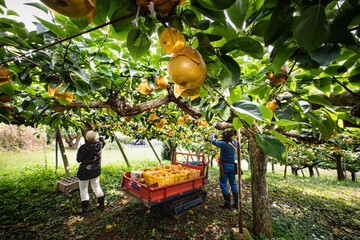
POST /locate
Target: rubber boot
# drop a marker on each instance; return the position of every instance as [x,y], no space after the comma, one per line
[227,204]
[236,200]
[84,207]
[101,205]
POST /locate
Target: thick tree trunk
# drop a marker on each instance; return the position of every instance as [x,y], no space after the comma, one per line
[260,196]
[339,167]
[311,171]
[353,176]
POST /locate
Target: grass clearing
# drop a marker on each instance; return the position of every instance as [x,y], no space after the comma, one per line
[302,208]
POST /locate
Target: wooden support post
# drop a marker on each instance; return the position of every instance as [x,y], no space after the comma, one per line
[62,150]
[286,165]
[238,135]
[56,152]
[153,150]
[121,149]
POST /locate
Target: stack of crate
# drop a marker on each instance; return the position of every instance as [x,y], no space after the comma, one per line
[168,174]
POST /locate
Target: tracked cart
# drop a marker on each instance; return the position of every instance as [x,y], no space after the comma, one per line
[174,198]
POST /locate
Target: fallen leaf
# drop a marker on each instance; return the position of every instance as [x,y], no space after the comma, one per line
[148,211]
[337,229]
[191,211]
[210,226]
[108,226]
[124,202]
[176,228]
[206,207]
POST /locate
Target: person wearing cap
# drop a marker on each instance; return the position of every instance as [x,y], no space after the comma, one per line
[89,157]
[228,148]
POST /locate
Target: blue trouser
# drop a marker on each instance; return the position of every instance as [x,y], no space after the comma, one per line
[228,173]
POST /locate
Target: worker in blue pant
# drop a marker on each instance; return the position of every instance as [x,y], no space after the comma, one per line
[228,168]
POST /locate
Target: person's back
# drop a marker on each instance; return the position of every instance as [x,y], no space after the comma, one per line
[89,157]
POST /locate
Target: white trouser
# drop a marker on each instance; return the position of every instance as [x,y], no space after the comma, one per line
[95,185]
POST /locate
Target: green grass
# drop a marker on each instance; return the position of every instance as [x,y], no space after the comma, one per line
[30,207]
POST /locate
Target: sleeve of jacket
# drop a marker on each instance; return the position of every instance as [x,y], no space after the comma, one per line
[102,142]
[216,143]
[80,155]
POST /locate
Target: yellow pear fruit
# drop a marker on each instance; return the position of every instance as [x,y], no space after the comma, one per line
[272,105]
[161,82]
[4,76]
[144,88]
[172,40]
[187,68]
[73,8]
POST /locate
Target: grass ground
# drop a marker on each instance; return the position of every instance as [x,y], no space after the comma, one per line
[30,207]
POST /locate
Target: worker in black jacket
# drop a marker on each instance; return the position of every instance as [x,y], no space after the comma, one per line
[89,157]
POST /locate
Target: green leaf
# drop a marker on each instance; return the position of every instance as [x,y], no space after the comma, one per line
[216,4]
[354,76]
[220,105]
[189,18]
[237,13]
[283,54]
[39,6]
[235,94]
[319,100]
[2,3]
[340,34]
[225,113]
[226,31]
[326,54]
[237,123]
[81,23]
[203,25]
[102,9]
[81,73]
[285,123]
[326,127]
[232,66]
[218,16]
[285,113]
[248,108]
[123,27]
[271,146]
[209,116]
[175,22]
[312,29]
[8,89]
[280,21]
[82,88]
[12,13]
[283,138]
[267,113]
[53,28]
[304,105]
[245,44]
[138,43]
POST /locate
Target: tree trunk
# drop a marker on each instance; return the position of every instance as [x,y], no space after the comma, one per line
[62,150]
[260,196]
[317,171]
[273,167]
[172,146]
[353,176]
[311,171]
[302,172]
[78,138]
[339,167]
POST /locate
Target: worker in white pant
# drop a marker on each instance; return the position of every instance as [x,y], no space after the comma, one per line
[89,157]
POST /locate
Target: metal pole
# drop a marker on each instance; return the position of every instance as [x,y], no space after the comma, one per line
[238,135]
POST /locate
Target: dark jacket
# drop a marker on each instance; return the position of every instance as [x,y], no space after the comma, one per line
[89,157]
[227,152]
